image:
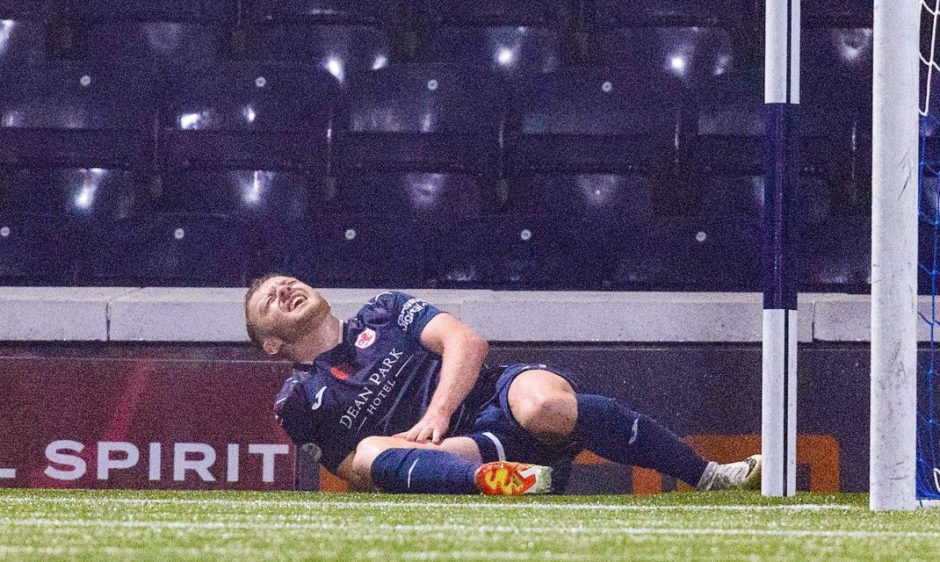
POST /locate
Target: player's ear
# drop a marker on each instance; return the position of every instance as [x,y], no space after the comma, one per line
[272,346]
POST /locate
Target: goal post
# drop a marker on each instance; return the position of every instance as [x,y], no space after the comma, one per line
[781,133]
[895,141]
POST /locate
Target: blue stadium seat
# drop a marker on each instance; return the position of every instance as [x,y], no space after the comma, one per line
[692,54]
[71,114]
[269,116]
[74,138]
[172,36]
[359,250]
[730,125]
[422,144]
[592,158]
[433,118]
[835,136]
[21,43]
[836,105]
[244,145]
[515,52]
[49,218]
[206,229]
[342,50]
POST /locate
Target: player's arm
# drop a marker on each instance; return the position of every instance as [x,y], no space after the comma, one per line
[462,354]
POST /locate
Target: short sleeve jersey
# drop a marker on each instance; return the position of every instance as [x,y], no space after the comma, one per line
[377,381]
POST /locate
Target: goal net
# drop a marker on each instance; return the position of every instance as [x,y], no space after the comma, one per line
[928,436]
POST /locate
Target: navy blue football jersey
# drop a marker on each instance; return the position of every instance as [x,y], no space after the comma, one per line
[377,381]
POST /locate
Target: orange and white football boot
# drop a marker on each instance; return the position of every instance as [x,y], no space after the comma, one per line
[502,478]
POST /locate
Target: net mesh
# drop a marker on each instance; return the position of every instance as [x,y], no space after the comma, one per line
[928,436]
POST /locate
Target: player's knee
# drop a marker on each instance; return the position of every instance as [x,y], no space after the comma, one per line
[366,452]
[551,414]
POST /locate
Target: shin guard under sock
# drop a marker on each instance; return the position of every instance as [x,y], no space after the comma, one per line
[620,435]
[422,471]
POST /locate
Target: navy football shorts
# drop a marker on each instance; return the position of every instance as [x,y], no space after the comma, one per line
[500,437]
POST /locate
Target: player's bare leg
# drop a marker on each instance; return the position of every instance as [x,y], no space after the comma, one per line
[544,403]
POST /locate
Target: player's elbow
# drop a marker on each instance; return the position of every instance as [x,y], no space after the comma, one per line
[478,344]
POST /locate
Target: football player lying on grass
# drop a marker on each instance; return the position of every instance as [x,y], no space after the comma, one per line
[399,400]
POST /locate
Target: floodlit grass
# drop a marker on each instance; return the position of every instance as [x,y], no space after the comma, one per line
[121,525]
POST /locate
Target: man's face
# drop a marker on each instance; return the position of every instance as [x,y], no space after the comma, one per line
[286,309]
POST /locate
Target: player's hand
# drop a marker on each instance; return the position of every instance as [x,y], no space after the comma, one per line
[430,429]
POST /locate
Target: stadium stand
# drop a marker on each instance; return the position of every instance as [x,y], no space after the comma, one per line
[835,134]
[422,152]
[593,142]
[476,188]
[243,147]
[74,140]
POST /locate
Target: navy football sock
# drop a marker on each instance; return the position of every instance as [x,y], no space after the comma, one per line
[618,434]
[422,471]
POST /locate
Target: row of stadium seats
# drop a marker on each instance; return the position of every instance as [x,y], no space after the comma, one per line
[645,174]
[246,169]
[517,39]
[538,13]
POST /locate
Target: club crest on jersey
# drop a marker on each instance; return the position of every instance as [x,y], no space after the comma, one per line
[366,338]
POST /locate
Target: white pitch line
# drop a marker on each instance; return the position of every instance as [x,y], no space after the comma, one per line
[386,530]
[99,501]
[240,552]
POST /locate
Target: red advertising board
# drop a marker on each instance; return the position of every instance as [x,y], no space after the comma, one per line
[141,423]
[200,417]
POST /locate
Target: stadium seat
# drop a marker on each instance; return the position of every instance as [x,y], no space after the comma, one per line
[243,147]
[344,37]
[339,49]
[835,137]
[74,139]
[172,36]
[359,250]
[515,52]
[597,151]
[692,54]
[433,118]
[22,33]
[423,142]
[242,115]
[206,229]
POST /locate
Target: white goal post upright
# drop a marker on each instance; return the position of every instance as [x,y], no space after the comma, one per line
[781,126]
[895,141]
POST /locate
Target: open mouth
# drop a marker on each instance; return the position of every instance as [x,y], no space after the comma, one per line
[294,302]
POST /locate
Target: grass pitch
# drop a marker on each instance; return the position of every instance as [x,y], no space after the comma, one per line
[122,525]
